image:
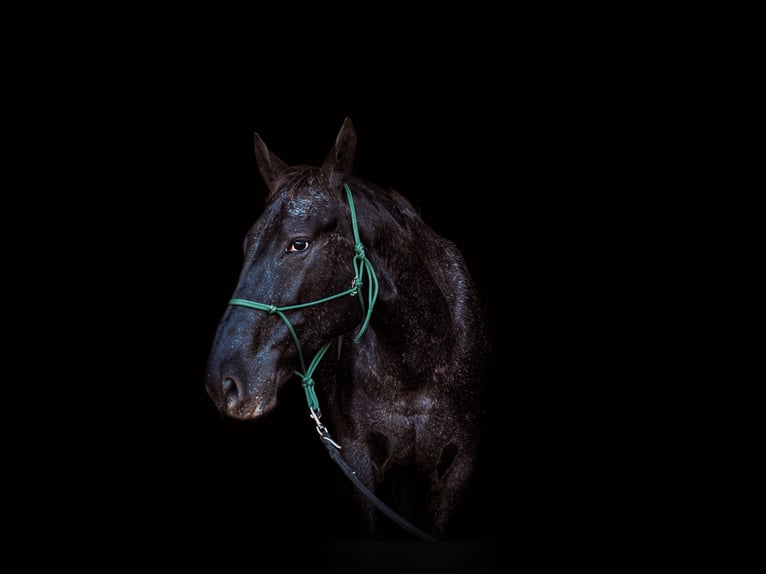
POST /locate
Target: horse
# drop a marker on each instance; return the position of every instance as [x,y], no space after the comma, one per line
[346,271]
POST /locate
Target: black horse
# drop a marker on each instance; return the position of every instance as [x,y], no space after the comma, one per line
[345,290]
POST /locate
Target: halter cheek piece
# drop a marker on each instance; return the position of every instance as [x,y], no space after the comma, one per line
[361,265]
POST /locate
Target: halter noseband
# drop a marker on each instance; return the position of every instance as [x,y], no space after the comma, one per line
[361,265]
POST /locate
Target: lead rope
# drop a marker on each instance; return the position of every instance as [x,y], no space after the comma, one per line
[333,449]
[362,265]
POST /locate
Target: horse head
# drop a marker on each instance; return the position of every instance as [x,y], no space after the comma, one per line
[298,253]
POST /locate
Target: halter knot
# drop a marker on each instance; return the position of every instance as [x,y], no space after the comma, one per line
[307,380]
[272,309]
[359,249]
[308,386]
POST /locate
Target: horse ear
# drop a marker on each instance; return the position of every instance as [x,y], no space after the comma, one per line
[338,163]
[270,166]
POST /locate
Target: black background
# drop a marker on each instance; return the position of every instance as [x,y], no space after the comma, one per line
[541,144]
[158,250]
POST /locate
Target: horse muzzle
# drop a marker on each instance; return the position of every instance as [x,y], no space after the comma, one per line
[235,397]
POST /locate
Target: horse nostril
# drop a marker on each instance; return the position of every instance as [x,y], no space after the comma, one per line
[230,391]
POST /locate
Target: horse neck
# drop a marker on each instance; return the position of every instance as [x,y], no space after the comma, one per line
[416,308]
[421,278]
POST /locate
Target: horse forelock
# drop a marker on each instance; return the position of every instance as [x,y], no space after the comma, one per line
[296,180]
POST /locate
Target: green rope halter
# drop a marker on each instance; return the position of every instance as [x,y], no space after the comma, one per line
[361,265]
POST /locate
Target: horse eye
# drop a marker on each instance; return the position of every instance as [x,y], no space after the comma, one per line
[299,245]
